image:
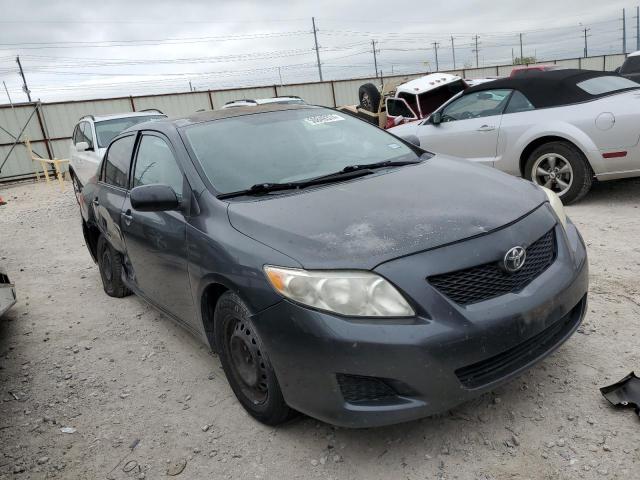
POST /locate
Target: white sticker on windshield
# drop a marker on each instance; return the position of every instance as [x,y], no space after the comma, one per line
[320,119]
[393,145]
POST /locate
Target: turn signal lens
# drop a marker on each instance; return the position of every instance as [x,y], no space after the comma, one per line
[349,293]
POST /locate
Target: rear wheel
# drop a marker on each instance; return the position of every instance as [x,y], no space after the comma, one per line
[562,168]
[246,364]
[110,265]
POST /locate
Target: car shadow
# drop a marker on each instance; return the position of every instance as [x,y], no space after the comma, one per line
[623,191]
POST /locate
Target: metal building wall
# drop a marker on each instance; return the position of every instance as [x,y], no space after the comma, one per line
[59,118]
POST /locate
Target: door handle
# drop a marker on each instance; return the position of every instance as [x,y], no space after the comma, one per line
[128,218]
[486,128]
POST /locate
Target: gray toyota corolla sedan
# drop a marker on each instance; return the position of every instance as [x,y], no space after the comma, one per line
[338,270]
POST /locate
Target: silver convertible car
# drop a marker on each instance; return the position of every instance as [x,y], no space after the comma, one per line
[559,129]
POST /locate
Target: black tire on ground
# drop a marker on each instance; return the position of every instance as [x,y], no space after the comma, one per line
[246,363]
[110,265]
[369,97]
[582,172]
[77,186]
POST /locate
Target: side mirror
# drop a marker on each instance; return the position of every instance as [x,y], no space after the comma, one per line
[82,146]
[436,118]
[154,198]
[413,139]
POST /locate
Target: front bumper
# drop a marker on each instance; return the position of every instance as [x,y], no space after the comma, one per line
[444,356]
[7,297]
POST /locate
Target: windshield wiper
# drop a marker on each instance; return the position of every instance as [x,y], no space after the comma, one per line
[348,172]
[260,188]
[385,163]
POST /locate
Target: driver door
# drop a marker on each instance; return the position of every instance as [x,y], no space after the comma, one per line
[469,127]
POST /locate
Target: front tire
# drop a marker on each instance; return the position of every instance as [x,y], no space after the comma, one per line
[562,168]
[77,186]
[246,364]
[110,265]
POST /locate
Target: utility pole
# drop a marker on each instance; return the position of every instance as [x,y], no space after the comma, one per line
[375,59]
[637,28]
[521,54]
[476,51]
[190,86]
[315,38]
[280,75]
[453,52]
[624,31]
[586,49]
[513,58]
[435,49]
[25,88]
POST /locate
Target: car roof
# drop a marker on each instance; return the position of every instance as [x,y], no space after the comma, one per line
[113,116]
[549,88]
[211,115]
[427,83]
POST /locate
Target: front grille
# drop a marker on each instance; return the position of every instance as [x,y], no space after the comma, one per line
[487,281]
[498,366]
[357,389]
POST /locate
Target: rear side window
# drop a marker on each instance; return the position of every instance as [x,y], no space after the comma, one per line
[518,103]
[606,84]
[117,162]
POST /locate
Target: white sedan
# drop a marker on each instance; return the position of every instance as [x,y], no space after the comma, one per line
[559,129]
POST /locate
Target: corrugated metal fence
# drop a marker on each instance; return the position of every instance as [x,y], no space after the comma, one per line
[52,125]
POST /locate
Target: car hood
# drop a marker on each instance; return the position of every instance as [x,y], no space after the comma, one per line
[361,223]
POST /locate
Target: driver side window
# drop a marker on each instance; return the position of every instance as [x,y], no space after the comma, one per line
[476,105]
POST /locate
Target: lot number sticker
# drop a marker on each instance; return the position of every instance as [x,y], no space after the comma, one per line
[320,119]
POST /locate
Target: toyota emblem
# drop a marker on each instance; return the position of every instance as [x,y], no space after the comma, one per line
[514,259]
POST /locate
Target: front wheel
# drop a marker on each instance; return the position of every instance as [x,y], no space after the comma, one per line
[562,168]
[77,186]
[246,364]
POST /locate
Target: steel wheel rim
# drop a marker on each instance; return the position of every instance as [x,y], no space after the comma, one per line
[247,364]
[366,101]
[106,266]
[553,171]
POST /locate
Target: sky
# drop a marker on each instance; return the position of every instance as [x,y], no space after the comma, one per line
[78,50]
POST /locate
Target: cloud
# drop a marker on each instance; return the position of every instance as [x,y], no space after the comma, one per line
[238,43]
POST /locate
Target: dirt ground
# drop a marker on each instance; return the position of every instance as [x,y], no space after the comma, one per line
[118,372]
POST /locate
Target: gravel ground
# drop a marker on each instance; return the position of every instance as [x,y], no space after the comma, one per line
[117,372]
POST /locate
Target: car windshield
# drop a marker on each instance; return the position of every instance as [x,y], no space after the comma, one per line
[106,130]
[287,146]
[606,84]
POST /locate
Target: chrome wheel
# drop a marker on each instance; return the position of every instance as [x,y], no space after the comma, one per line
[554,172]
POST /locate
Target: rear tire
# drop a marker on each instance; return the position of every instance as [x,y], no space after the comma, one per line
[369,96]
[110,265]
[561,167]
[246,364]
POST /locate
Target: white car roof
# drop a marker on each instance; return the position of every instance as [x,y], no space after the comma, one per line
[426,83]
[261,101]
[113,116]
[634,54]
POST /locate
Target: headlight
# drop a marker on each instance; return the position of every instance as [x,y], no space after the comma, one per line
[557,206]
[351,293]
